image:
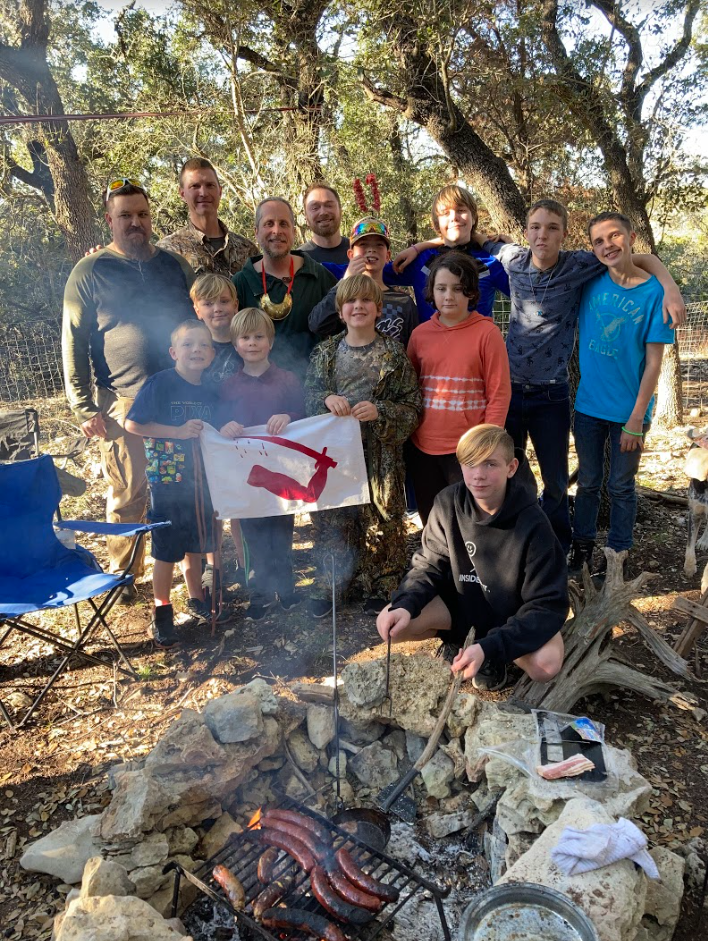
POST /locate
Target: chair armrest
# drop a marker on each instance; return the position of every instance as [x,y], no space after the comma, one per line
[109,529]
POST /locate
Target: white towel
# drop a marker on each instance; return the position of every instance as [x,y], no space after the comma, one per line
[582,850]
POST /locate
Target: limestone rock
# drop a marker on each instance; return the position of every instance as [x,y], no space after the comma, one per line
[181,840]
[234,718]
[304,753]
[148,880]
[263,693]
[105,877]
[495,727]
[187,745]
[520,812]
[453,750]
[364,683]
[613,897]
[332,766]
[663,903]
[419,684]
[64,852]
[440,825]
[114,918]
[152,851]
[397,741]
[137,801]
[463,714]
[320,725]
[415,746]
[437,774]
[375,766]
[361,732]
[188,813]
[218,836]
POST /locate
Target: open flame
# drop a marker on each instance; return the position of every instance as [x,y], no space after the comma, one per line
[255,822]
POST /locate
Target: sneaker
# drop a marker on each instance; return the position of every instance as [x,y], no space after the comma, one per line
[447,652]
[162,627]
[290,601]
[320,607]
[374,606]
[490,677]
[128,594]
[199,612]
[580,555]
[256,611]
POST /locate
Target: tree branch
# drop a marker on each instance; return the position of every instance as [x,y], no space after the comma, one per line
[382,96]
[675,55]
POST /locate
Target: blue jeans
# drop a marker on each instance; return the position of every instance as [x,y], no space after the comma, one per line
[590,436]
[542,413]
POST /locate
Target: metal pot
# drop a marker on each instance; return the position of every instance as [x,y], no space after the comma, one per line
[524,911]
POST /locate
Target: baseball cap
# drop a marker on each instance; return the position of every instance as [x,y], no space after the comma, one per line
[369,226]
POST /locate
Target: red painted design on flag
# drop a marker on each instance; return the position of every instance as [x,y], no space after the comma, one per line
[288,488]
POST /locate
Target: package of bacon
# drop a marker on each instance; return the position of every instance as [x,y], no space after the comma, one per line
[566,750]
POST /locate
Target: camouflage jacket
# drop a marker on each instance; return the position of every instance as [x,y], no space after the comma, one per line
[399,402]
[199,252]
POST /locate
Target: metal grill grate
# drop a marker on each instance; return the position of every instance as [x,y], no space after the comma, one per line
[241,856]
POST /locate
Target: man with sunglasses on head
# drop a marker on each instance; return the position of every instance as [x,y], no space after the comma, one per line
[121,304]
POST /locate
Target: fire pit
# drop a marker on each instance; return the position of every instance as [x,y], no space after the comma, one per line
[241,856]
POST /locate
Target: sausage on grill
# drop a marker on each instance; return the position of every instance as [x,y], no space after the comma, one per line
[349,892]
[361,879]
[308,922]
[334,903]
[271,895]
[302,820]
[318,849]
[266,865]
[231,885]
[294,847]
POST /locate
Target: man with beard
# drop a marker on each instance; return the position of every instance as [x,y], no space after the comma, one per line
[205,241]
[323,213]
[286,284]
[121,304]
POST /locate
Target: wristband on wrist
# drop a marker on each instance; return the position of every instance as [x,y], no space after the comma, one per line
[634,434]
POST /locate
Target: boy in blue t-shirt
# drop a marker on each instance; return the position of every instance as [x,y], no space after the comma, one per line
[169,412]
[621,343]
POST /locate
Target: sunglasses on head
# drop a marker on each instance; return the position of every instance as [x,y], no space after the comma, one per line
[121,181]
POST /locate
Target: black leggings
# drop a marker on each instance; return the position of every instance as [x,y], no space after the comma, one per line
[430,473]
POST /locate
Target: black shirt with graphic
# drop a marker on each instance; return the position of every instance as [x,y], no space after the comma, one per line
[168,399]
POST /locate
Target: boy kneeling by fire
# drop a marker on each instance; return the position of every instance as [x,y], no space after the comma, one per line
[489,558]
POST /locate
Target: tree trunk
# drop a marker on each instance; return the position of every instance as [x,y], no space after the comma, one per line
[27,71]
[669,398]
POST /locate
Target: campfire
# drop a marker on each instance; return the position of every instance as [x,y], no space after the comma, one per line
[294,869]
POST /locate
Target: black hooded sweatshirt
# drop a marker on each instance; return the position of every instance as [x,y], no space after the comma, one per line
[505,574]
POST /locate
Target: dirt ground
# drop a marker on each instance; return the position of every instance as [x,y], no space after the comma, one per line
[57,768]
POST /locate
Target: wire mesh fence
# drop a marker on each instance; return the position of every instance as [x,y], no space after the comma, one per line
[30,356]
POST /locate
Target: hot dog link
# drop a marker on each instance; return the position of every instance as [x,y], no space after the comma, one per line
[333,903]
[294,847]
[362,880]
[308,922]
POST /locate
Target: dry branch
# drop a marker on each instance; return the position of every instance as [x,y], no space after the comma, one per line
[590,664]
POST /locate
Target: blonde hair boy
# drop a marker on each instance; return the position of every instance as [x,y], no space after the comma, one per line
[250,319]
[210,285]
[360,287]
[479,443]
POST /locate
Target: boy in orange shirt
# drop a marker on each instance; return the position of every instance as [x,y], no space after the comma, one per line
[463,369]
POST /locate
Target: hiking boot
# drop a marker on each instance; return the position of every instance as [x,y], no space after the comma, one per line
[289,601]
[374,606]
[128,594]
[580,555]
[447,651]
[490,677]
[162,627]
[320,607]
[257,612]
[200,612]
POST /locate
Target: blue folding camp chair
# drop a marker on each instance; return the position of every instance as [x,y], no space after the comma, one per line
[38,573]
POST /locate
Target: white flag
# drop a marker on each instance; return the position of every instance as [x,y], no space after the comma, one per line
[316,464]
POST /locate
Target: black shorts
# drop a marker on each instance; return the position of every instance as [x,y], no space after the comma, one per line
[176,503]
[459,625]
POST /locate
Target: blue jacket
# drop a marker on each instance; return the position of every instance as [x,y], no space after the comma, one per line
[492,278]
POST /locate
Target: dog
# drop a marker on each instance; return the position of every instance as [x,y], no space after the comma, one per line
[696,468]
